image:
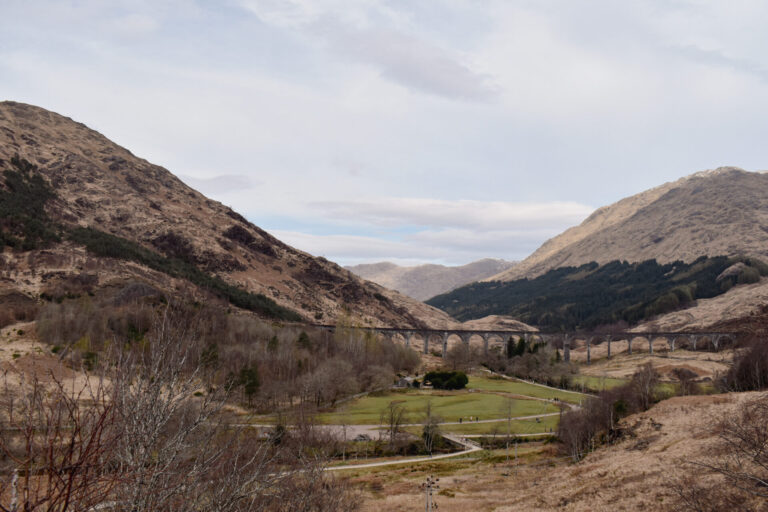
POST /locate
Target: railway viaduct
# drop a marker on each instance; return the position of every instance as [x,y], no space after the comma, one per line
[562,340]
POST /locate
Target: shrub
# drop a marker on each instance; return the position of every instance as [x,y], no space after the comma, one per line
[596,421]
[447,379]
[748,275]
[750,368]
[303,341]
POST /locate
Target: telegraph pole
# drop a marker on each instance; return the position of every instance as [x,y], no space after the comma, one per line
[429,486]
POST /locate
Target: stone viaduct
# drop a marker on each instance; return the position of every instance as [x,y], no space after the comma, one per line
[561,340]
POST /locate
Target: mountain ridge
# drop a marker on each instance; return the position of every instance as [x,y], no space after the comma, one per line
[708,213]
[425,281]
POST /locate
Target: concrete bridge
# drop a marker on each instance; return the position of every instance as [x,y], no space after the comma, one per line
[560,340]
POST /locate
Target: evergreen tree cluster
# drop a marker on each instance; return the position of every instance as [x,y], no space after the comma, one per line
[24,223]
[590,295]
[447,379]
[25,226]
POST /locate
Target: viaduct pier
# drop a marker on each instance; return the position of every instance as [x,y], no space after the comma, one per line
[560,340]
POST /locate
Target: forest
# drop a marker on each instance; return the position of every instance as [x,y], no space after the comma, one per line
[591,295]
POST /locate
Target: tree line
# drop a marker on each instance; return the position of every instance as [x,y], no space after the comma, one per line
[269,366]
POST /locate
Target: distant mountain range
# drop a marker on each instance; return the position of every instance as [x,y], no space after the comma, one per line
[425,281]
[81,216]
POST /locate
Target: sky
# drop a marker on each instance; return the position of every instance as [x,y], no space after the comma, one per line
[412,131]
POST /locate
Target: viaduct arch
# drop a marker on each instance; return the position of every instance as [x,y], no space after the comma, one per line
[562,340]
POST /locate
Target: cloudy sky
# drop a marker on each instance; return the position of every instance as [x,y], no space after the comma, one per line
[405,130]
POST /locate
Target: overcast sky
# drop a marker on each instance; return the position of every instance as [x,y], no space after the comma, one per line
[410,130]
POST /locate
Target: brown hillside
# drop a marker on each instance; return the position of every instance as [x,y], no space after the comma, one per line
[720,212]
[639,472]
[104,186]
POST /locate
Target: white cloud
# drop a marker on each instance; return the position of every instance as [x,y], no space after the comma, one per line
[414,63]
[449,247]
[484,215]
[449,232]
[365,117]
[373,34]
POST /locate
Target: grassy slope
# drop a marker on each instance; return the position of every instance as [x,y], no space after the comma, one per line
[522,388]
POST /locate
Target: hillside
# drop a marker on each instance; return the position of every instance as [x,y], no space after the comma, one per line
[710,213]
[591,295]
[645,470]
[83,215]
[425,281]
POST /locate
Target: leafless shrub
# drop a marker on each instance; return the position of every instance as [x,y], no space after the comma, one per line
[735,476]
[750,367]
[699,495]
[580,430]
[152,436]
[53,447]
[392,418]
[686,381]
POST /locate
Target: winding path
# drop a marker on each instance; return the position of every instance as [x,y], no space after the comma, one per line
[469,447]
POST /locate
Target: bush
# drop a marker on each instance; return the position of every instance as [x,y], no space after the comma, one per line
[748,275]
[447,379]
[750,368]
[596,421]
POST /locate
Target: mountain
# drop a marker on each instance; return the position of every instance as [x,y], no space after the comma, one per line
[425,281]
[710,213]
[696,243]
[592,295]
[81,215]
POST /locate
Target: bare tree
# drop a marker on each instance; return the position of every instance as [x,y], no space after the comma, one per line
[644,383]
[175,445]
[393,417]
[431,428]
[509,409]
[54,446]
[687,381]
[744,438]
[151,436]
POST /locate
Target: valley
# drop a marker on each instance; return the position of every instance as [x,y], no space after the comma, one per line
[169,349]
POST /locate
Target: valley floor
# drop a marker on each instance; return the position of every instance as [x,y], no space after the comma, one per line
[634,474]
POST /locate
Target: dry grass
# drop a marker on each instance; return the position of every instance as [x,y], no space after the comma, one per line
[630,475]
[623,365]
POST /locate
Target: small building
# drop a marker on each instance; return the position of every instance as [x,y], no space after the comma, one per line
[404,382]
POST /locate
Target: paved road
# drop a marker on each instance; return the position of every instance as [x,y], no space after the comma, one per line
[469,447]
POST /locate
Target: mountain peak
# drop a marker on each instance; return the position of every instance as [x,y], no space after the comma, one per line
[723,211]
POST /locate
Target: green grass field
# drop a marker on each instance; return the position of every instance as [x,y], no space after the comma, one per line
[665,389]
[449,405]
[598,383]
[522,388]
[517,427]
